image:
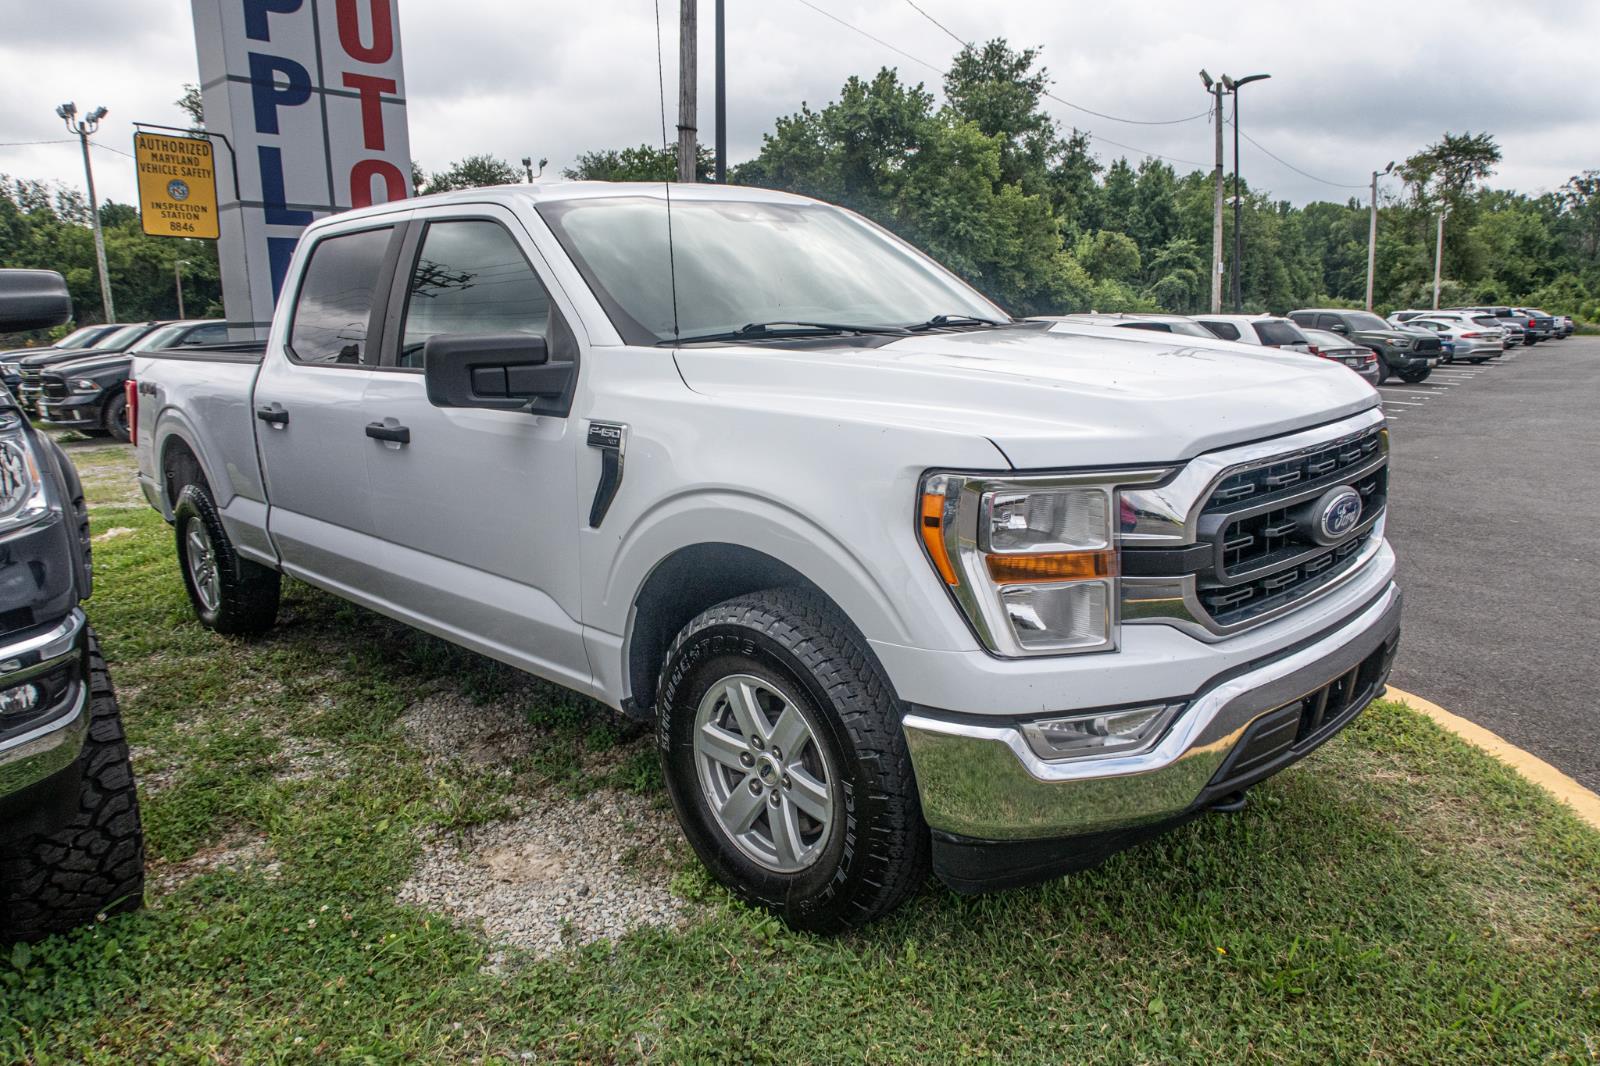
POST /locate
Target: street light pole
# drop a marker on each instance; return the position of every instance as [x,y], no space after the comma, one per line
[177,280]
[68,112]
[1438,256]
[1233,86]
[1214,88]
[1372,231]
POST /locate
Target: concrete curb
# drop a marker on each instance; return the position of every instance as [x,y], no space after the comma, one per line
[1584,803]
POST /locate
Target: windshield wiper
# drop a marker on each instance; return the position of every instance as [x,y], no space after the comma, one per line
[783,328]
[940,321]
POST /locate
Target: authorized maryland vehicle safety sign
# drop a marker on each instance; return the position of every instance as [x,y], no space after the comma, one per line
[177,186]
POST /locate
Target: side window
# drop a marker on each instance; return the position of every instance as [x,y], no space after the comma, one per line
[1154,327]
[335,300]
[214,333]
[1327,322]
[1226,330]
[470,277]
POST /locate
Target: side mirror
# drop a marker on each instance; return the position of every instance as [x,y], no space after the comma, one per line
[498,371]
[33,299]
[1339,327]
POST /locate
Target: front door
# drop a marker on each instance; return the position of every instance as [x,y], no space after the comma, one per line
[476,509]
[308,403]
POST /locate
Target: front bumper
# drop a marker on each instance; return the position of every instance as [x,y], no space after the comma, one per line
[46,742]
[1000,815]
[72,412]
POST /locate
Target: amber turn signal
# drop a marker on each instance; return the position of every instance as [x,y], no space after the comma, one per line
[932,525]
[1051,567]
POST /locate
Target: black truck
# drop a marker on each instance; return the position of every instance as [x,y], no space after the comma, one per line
[71,845]
[1409,354]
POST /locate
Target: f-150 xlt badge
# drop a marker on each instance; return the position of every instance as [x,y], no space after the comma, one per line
[612,440]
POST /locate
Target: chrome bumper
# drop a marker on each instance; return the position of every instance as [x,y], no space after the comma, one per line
[52,745]
[983,781]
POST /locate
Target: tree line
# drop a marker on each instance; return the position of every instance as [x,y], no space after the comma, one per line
[988,183]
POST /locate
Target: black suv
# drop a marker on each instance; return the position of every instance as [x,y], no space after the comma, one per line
[71,847]
[1410,354]
[87,394]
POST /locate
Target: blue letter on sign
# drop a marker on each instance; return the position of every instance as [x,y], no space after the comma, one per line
[274,200]
[255,16]
[267,95]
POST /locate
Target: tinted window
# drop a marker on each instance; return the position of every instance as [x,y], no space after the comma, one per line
[1154,327]
[214,333]
[1487,320]
[165,337]
[1275,332]
[471,277]
[80,338]
[335,301]
[1365,320]
[118,339]
[1226,330]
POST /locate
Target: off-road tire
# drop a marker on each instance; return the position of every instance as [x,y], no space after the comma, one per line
[1412,377]
[249,592]
[93,866]
[114,418]
[877,853]
[1384,373]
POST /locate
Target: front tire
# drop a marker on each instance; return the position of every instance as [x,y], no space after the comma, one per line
[114,420]
[95,864]
[230,595]
[1412,377]
[783,753]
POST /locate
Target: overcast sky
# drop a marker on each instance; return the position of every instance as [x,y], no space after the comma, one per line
[1354,83]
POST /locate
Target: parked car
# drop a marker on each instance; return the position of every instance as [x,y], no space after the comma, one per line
[898,580]
[1540,325]
[1400,318]
[1564,326]
[1410,354]
[76,341]
[1153,323]
[31,368]
[1340,349]
[1513,325]
[1267,330]
[87,394]
[71,848]
[1465,339]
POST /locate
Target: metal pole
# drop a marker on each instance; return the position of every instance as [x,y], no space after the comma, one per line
[1438,257]
[1238,216]
[1216,219]
[1372,239]
[722,99]
[177,279]
[688,71]
[99,238]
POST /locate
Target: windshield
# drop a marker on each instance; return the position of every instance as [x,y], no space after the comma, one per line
[118,339]
[1177,325]
[1277,331]
[163,338]
[738,262]
[1365,320]
[80,338]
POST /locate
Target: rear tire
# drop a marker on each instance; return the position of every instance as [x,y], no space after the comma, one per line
[230,595]
[785,666]
[95,864]
[114,420]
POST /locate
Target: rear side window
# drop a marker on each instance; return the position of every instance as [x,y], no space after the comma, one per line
[1226,330]
[1154,327]
[216,333]
[471,277]
[334,306]
[1276,333]
[1487,320]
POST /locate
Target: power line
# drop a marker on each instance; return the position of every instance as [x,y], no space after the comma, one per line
[107,147]
[918,9]
[19,144]
[1267,152]
[870,37]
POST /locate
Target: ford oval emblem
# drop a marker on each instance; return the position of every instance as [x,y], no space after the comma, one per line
[1339,514]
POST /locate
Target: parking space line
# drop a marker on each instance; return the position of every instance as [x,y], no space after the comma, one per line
[1403,403]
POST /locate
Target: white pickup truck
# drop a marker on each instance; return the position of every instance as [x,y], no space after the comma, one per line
[899,580]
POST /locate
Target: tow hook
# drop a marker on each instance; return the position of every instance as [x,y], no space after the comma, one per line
[1232,803]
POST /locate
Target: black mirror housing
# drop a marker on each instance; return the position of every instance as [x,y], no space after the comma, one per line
[33,299]
[497,371]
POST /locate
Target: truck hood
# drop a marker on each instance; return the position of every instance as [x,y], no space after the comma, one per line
[1046,399]
[92,365]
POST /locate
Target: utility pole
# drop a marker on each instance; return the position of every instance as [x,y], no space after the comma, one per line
[1438,255]
[67,112]
[722,99]
[527,165]
[688,73]
[1233,86]
[1372,232]
[1215,89]
[177,279]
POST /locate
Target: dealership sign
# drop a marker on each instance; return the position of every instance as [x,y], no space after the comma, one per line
[310,96]
[177,185]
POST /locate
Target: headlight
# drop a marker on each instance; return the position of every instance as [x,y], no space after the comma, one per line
[1401,342]
[22,496]
[85,385]
[8,368]
[1032,561]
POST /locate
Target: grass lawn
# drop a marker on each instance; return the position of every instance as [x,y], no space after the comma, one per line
[1399,897]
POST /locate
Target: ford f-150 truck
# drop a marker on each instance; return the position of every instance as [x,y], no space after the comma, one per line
[898,580]
[70,841]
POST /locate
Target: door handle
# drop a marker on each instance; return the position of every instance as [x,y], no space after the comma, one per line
[397,434]
[273,414]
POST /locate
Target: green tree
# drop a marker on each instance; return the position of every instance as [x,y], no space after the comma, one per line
[644,163]
[475,171]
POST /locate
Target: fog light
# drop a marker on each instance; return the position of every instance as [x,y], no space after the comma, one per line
[1059,617]
[19,699]
[1103,733]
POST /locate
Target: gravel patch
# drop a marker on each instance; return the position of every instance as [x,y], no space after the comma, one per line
[447,725]
[573,871]
[254,855]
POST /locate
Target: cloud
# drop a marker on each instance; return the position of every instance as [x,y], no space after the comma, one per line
[1354,83]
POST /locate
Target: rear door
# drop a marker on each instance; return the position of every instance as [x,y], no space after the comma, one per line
[308,402]
[477,509]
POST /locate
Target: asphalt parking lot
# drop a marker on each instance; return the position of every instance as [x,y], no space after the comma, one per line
[1495,496]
